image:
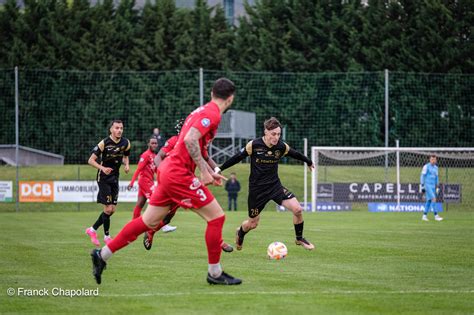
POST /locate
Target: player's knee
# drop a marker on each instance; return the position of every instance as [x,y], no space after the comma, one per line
[110,209]
[298,211]
[253,223]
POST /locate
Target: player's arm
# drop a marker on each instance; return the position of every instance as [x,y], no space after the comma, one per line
[212,164]
[159,157]
[141,165]
[93,162]
[213,167]
[437,189]
[247,151]
[214,170]
[234,160]
[126,162]
[125,159]
[191,140]
[98,149]
[298,156]
[424,171]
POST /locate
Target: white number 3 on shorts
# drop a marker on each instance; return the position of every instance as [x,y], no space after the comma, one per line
[201,193]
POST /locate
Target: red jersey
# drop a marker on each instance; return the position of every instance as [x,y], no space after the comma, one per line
[146,167]
[170,144]
[206,119]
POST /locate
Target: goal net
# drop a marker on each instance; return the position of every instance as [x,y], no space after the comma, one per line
[388,179]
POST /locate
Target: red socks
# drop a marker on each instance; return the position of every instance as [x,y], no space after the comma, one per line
[214,239]
[134,228]
[136,212]
[128,234]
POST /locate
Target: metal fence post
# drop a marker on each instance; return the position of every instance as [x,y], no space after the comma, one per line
[386,123]
[17,141]
[305,144]
[201,87]
[397,143]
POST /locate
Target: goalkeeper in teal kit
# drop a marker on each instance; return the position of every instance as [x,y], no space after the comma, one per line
[429,186]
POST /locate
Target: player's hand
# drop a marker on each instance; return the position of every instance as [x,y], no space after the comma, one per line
[130,186]
[423,189]
[106,170]
[206,178]
[126,168]
[311,167]
[218,179]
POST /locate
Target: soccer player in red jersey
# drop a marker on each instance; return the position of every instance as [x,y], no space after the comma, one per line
[146,179]
[164,152]
[179,186]
[145,173]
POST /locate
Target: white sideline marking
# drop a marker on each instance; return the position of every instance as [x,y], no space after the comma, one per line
[335,292]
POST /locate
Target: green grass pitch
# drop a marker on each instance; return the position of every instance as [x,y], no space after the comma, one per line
[370,263]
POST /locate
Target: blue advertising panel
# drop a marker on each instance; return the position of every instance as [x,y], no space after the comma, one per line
[404,207]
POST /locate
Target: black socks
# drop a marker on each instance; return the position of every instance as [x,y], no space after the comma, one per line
[106,220]
[299,230]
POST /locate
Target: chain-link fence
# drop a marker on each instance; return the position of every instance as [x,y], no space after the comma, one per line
[67,112]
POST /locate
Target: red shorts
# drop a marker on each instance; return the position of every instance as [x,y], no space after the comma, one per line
[145,188]
[180,189]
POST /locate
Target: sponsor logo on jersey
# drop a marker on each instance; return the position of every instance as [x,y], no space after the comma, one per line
[205,122]
[277,154]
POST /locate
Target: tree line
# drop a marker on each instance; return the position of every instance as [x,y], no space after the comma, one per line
[67,112]
[275,35]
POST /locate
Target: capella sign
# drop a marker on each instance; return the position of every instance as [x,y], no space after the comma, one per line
[389,188]
[369,192]
[365,192]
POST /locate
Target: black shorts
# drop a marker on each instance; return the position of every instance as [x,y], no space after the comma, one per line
[258,198]
[108,193]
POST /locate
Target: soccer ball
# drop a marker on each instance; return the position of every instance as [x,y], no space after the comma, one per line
[277,251]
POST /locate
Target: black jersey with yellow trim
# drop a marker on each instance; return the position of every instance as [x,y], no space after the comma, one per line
[264,161]
[110,154]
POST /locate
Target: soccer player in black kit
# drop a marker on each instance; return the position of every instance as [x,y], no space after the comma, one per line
[111,152]
[264,183]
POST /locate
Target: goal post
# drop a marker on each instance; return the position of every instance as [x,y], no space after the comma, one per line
[388,179]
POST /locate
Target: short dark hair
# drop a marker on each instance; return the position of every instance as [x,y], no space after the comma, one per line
[433,155]
[271,123]
[223,88]
[115,121]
